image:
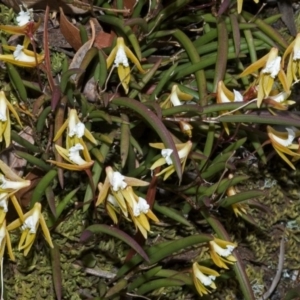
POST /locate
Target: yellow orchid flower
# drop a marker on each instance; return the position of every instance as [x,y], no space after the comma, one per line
[201,280]
[12,186]
[282,142]
[240,5]
[293,67]
[4,206]
[224,95]
[76,130]
[276,99]
[186,128]
[25,25]
[271,69]
[238,208]
[32,220]
[119,195]
[220,252]
[140,212]
[10,183]
[175,98]
[183,152]
[5,241]
[119,56]
[5,124]
[21,57]
[76,162]
[280,100]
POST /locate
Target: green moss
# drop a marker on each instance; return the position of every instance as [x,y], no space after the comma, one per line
[7,15]
[57,60]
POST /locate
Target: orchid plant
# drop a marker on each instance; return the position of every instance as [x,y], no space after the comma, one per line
[167,189]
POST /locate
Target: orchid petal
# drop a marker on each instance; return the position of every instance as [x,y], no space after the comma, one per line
[184,96]
[46,231]
[110,59]
[72,167]
[124,75]
[9,248]
[111,212]
[161,161]
[135,182]
[61,130]
[133,58]
[279,152]
[89,136]
[103,191]
[255,66]
[157,145]
[283,79]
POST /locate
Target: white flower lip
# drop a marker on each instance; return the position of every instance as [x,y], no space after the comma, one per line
[272,67]
[18,51]
[143,205]
[205,280]
[117,181]
[221,251]
[31,222]
[3,204]
[2,234]
[184,151]
[19,55]
[111,199]
[140,207]
[75,156]
[296,55]
[223,97]
[174,98]
[121,57]
[288,141]
[186,126]
[24,16]
[3,110]
[238,97]
[4,201]
[77,130]
[281,97]
[166,154]
[12,185]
